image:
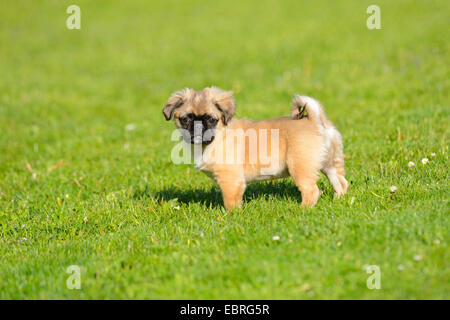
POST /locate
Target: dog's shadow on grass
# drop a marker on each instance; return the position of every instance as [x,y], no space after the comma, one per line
[213,197]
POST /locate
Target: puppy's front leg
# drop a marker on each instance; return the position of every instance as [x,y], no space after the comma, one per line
[232,185]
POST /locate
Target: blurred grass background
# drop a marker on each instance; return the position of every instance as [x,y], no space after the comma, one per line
[66,97]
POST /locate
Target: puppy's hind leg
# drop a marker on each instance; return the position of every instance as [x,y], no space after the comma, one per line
[342,180]
[334,179]
[334,170]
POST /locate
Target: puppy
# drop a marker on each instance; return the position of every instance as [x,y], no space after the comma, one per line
[235,152]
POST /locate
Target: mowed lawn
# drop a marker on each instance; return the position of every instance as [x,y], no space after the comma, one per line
[86,177]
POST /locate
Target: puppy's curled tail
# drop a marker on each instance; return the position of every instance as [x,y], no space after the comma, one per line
[304,106]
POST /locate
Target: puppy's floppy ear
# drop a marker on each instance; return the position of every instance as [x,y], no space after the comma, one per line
[175,101]
[224,101]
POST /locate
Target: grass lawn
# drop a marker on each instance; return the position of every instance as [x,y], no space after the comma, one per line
[86,177]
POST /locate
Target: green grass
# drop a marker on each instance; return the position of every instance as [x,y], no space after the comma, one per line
[67,95]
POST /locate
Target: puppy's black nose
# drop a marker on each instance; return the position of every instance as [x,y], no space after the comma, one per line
[198,132]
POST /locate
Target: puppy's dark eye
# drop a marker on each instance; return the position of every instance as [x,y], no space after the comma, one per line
[185,119]
[212,121]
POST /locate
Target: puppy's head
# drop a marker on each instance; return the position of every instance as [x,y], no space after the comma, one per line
[198,114]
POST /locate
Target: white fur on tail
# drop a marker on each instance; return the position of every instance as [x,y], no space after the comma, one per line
[312,107]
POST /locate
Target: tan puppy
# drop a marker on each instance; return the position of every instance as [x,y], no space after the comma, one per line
[235,152]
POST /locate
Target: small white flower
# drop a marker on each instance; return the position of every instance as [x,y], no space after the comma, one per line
[202,234]
[425,161]
[418,257]
[85,220]
[393,189]
[34,175]
[275,238]
[130,127]
[433,155]
[67,196]
[411,164]
[401,267]
[177,208]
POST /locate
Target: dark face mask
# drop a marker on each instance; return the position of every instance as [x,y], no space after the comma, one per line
[198,129]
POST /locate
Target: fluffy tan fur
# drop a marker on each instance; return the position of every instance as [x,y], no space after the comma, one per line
[307,143]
